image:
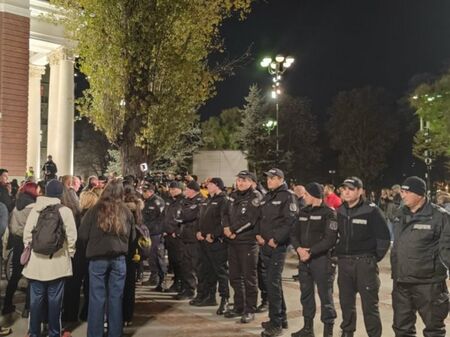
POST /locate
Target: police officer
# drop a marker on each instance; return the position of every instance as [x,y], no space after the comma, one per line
[363,241]
[214,252]
[188,227]
[171,222]
[153,214]
[278,212]
[242,248]
[313,238]
[420,258]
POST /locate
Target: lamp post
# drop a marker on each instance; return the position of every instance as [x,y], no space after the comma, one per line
[276,68]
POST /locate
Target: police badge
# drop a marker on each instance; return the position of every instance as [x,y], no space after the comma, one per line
[333,225]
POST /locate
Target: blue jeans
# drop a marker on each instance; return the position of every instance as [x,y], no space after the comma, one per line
[41,292]
[106,283]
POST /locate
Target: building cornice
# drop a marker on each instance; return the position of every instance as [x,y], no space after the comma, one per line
[16,7]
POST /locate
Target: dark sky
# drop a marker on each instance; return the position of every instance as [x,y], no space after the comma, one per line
[338,45]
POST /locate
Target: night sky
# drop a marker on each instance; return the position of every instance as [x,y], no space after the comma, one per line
[338,45]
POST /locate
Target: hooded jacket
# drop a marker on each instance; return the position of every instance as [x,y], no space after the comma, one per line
[20,213]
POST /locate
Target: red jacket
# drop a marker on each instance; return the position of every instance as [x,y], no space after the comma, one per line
[333,201]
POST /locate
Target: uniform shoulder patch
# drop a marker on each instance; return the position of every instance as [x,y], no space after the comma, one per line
[193,206]
[293,207]
[371,204]
[256,202]
[333,225]
[157,202]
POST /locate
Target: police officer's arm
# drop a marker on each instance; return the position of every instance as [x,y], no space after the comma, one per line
[224,218]
[295,234]
[330,236]
[189,212]
[444,240]
[380,231]
[289,214]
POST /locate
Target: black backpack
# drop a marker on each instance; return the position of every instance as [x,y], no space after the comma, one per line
[48,235]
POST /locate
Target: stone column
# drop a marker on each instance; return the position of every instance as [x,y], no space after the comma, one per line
[64,135]
[34,118]
[53,59]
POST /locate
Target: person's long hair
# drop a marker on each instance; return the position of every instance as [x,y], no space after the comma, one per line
[131,198]
[111,209]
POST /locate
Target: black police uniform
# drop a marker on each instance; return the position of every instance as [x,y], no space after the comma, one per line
[188,227]
[174,244]
[316,229]
[363,241]
[243,250]
[278,212]
[153,214]
[420,258]
[214,256]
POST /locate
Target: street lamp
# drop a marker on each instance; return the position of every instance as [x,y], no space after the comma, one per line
[270,125]
[276,68]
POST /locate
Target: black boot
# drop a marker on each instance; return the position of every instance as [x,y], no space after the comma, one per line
[346,334]
[223,306]
[263,307]
[328,330]
[307,330]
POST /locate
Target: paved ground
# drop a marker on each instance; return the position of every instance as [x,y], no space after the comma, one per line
[159,315]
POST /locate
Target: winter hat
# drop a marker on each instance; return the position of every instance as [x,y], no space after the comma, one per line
[54,189]
[218,182]
[315,190]
[416,185]
[193,185]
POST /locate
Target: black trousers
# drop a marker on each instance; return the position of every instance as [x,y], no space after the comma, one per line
[318,271]
[175,252]
[190,265]
[156,260]
[214,268]
[262,274]
[243,261]
[129,291]
[17,244]
[359,275]
[273,259]
[430,300]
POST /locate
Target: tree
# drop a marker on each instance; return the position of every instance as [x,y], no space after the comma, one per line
[362,129]
[146,62]
[221,133]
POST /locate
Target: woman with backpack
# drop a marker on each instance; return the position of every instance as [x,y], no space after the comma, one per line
[106,229]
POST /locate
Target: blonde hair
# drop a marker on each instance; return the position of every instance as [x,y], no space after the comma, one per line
[88,199]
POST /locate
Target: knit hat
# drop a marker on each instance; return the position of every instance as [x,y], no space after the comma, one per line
[218,182]
[193,185]
[315,190]
[54,189]
[416,185]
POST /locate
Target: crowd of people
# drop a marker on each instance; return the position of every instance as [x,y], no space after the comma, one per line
[215,237]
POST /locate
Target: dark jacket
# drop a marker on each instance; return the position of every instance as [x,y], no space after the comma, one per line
[278,212]
[101,244]
[153,214]
[243,214]
[50,169]
[171,214]
[190,210]
[213,215]
[421,250]
[362,230]
[316,229]
[6,198]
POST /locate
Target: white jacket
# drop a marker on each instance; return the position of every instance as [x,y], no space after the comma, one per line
[41,267]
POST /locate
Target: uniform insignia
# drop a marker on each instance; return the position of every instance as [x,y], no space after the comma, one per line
[360,221]
[230,198]
[333,225]
[422,226]
[157,203]
[303,218]
[151,207]
[371,204]
[256,202]
[243,210]
[276,202]
[293,207]
[262,202]
[214,203]
[193,207]
[315,217]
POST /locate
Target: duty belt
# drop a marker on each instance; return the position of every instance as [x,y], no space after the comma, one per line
[357,257]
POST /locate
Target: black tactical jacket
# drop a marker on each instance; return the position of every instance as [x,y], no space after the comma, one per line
[172,213]
[278,212]
[153,214]
[421,251]
[190,210]
[213,215]
[362,230]
[243,214]
[316,229]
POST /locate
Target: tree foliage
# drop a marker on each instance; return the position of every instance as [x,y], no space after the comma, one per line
[146,62]
[362,129]
[221,133]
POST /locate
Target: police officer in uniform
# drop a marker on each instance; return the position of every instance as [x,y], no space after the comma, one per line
[278,212]
[214,251]
[174,243]
[420,258]
[363,241]
[153,214]
[313,237]
[242,248]
[188,227]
